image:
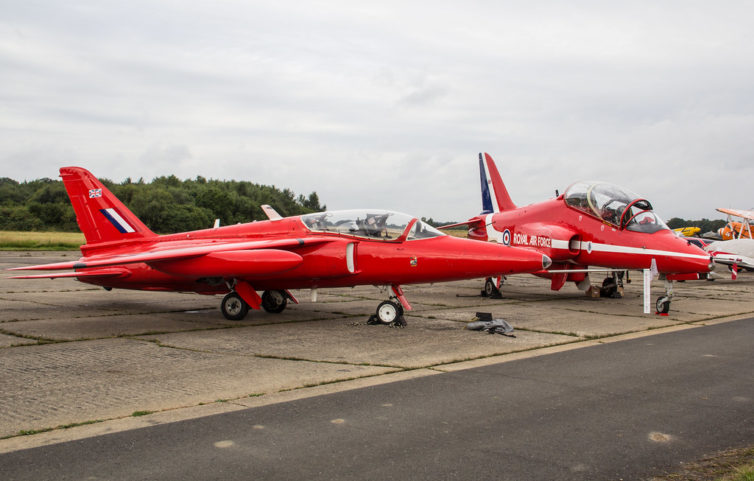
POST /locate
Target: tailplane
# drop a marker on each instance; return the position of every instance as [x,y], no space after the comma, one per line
[100,215]
[495,196]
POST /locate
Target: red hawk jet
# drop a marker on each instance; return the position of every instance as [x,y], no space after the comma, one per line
[326,249]
[590,224]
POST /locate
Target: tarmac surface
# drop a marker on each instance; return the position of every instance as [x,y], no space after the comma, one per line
[78,361]
[623,410]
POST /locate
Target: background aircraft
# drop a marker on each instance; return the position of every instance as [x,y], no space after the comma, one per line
[736,250]
[688,231]
[734,229]
[590,224]
[326,249]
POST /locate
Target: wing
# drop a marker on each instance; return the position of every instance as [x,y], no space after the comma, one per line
[728,259]
[746,214]
[174,254]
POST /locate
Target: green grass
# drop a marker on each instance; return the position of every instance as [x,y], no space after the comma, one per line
[43,241]
[743,473]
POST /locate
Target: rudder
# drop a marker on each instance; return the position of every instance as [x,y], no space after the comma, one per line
[495,197]
[100,215]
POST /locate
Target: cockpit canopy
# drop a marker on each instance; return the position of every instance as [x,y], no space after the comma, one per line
[615,205]
[369,224]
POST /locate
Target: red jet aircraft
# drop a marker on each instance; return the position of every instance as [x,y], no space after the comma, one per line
[590,224]
[326,249]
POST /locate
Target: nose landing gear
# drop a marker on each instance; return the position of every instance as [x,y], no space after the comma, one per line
[391,311]
[663,302]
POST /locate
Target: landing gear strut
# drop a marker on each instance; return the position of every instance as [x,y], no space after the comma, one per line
[242,297]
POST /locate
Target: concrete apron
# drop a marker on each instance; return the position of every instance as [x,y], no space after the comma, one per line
[79,361]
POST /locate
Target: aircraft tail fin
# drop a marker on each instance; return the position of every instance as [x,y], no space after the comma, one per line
[100,215]
[495,197]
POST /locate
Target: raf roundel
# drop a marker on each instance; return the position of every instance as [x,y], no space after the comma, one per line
[507,237]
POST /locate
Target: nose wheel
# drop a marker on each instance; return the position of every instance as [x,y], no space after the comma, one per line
[663,302]
[388,312]
[663,305]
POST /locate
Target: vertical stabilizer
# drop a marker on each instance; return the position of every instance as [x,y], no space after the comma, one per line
[100,215]
[495,196]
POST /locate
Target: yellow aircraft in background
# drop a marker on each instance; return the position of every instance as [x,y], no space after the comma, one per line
[688,231]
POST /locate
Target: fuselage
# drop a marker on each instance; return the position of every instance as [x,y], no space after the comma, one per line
[575,237]
[330,256]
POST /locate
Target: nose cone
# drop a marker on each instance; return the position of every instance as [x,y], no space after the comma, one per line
[484,259]
[685,258]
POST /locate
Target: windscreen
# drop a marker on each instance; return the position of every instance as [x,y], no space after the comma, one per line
[372,224]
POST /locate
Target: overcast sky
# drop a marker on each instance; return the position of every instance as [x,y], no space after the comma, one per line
[387,104]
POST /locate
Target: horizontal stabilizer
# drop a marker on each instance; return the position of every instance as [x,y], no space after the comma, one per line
[99,273]
[461,224]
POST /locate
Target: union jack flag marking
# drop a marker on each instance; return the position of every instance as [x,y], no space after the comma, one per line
[94,193]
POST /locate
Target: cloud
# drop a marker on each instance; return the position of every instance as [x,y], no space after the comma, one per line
[387,105]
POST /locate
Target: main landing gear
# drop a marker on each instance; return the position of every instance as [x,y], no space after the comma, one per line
[235,308]
[492,289]
[612,286]
[274,301]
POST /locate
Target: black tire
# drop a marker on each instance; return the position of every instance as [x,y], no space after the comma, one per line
[489,287]
[388,312]
[274,301]
[662,305]
[609,287]
[491,290]
[233,307]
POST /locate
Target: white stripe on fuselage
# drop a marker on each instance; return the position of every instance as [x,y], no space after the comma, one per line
[561,244]
[619,249]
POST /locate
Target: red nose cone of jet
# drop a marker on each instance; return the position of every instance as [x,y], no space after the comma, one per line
[685,259]
[485,259]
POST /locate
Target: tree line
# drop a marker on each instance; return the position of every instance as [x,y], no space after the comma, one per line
[165,205]
[706,225]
